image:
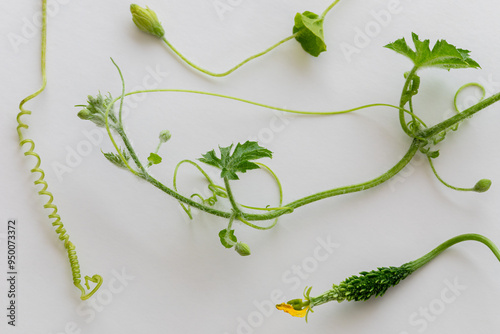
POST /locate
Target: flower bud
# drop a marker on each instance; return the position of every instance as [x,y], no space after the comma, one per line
[84,114]
[482,186]
[242,249]
[146,20]
[165,136]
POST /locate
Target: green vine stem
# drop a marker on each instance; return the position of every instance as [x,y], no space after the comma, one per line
[447,244]
[452,121]
[226,73]
[406,97]
[481,186]
[291,111]
[57,223]
[329,8]
[232,200]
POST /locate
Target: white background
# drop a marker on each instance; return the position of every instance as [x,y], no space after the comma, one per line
[178,276]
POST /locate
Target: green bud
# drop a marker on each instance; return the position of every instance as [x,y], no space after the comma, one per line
[433,154]
[482,186]
[84,114]
[242,249]
[146,20]
[95,118]
[165,136]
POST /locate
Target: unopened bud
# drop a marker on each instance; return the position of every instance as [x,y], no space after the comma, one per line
[242,249]
[146,20]
[84,114]
[165,136]
[482,186]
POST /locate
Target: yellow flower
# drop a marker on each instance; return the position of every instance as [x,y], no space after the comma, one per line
[290,310]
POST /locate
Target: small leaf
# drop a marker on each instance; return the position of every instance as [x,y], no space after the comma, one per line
[443,55]
[433,154]
[154,159]
[116,160]
[309,27]
[231,236]
[238,161]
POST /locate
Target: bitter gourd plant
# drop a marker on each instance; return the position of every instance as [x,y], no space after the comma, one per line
[240,158]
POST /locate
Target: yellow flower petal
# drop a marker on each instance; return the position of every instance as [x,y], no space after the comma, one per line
[290,310]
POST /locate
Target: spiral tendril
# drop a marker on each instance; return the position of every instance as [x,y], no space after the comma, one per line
[57,223]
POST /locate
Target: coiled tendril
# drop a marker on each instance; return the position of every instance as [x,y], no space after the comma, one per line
[57,223]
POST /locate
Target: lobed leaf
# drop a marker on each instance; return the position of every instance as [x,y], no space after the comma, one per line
[238,161]
[442,55]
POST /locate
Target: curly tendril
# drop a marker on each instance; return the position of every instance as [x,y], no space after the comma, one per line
[216,190]
[482,185]
[280,207]
[30,151]
[470,84]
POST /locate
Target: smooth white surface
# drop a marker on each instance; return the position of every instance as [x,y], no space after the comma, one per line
[184,281]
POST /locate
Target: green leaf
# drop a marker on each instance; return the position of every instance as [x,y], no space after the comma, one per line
[231,236]
[116,160]
[433,154]
[309,27]
[154,159]
[238,161]
[442,55]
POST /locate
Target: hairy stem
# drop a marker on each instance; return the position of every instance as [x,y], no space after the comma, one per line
[344,190]
[230,196]
[447,244]
[405,100]
[452,121]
